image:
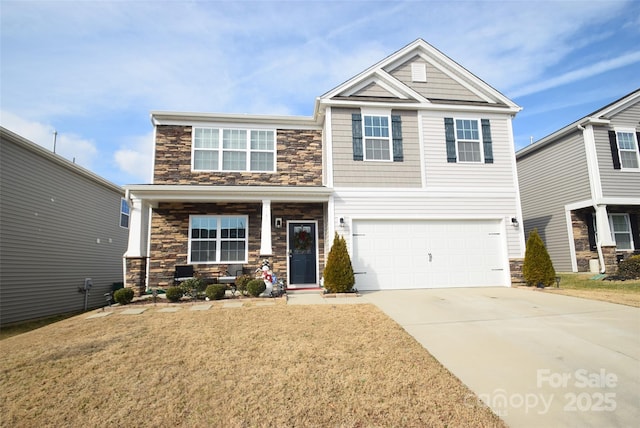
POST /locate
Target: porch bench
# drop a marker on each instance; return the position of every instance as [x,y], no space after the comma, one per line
[229,276]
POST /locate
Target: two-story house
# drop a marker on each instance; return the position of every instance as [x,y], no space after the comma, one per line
[580,188]
[412,161]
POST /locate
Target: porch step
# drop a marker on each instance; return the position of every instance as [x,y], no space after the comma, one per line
[310,290]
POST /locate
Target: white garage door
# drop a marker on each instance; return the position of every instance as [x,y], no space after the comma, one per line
[398,254]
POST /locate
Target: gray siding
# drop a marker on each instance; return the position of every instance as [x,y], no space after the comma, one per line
[350,173]
[373,90]
[58,226]
[618,183]
[438,84]
[549,179]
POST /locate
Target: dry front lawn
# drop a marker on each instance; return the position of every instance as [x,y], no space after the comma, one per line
[581,285]
[338,366]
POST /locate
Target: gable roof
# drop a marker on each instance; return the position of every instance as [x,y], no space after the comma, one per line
[380,76]
[598,117]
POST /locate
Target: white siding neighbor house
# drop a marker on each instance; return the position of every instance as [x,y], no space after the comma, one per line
[61,226]
[412,161]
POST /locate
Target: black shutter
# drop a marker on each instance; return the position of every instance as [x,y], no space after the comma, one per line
[614,149]
[486,141]
[635,233]
[356,128]
[450,136]
[591,231]
[396,134]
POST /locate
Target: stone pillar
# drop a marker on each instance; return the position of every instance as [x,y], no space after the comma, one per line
[136,275]
[515,266]
[610,260]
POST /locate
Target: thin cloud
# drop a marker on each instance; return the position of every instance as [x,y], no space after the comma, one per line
[582,73]
[135,159]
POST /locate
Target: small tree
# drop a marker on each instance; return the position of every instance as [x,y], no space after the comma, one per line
[338,272]
[537,267]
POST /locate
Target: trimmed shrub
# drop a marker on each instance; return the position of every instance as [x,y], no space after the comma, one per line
[124,296]
[216,291]
[338,272]
[241,283]
[192,286]
[629,268]
[174,294]
[256,287]
[537,267]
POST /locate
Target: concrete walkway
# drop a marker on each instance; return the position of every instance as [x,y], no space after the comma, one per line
[537,359]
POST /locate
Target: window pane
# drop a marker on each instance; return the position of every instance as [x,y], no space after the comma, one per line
[204,227]
[234,139]
[619,223]
[629,159]
[233,227]
[467,129]
[261,140]
[205,138]
[203,251]
[469,151]
[205,160]
[261,161]
[623,241]
[376,126]
[377,149]
[625,141]
[124,220]
[124,206]
[234,161]
[232,251]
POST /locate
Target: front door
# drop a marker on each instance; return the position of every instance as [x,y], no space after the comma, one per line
[302,253]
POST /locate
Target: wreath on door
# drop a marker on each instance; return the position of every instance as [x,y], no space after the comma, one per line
[302,240]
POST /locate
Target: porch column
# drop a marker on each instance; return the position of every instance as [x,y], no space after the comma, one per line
[602,226]
[265,230]
[136,247]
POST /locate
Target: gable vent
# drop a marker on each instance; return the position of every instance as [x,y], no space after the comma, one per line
[419,72]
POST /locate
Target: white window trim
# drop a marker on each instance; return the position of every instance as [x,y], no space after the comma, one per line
[128,214]
[631,131]
[458,141]
[377,113]
[220,150]
[218,240]
[613,232]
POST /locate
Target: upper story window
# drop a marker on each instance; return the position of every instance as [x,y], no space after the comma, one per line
[377,138]
[221,149]
[468,140]
[628,149]
[124,213]
[217,239]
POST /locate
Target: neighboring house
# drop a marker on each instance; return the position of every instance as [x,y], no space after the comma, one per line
[59,226]
[412,161]
[580,187]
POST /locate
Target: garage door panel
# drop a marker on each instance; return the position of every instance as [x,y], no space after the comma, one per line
[395,254]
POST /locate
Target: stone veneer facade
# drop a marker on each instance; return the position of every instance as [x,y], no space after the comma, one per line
[170,232]
[298,162]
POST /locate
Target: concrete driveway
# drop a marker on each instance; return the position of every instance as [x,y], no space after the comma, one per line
[537,359]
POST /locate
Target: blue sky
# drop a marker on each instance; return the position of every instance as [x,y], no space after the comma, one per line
[93,70]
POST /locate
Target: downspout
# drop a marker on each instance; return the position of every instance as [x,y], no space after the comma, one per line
[595,209]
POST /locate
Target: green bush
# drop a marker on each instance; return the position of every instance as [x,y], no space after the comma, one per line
[216,291]
[241,283]
[537,267]
[629,268]
[174,294]
[192,286]
[338,272]
[124,296]
[256,287]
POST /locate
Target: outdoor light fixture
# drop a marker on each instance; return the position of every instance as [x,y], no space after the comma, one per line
[278,223]
[341,221]
[514,222]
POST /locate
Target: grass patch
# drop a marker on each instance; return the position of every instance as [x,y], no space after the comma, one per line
[23,327]
[343,365]
[581,285]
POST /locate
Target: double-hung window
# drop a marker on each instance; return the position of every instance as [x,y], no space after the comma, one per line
[621,231]
[217,239]
[377,138]
[628,149]
[124,213]
[468,140]
[226,149]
